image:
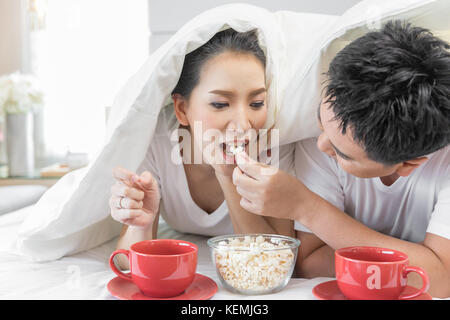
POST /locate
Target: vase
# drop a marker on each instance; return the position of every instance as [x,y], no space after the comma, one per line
[3,159]
[20,144]
[38,137]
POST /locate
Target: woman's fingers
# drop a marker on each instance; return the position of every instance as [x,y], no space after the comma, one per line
[127,197]
[146,181]
[124,214]
[124,175]
[125,203]
[121,190]
[115,202]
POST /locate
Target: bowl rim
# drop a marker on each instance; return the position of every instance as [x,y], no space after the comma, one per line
[293,243]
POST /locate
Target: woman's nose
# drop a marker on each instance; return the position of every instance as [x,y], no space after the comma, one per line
[324,145]
[240,121]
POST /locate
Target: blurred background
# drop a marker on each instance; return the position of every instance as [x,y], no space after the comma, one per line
[62,63]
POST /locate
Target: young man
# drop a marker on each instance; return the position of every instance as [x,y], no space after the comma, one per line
[379,174]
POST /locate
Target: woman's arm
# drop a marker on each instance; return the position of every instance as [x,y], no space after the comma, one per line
[246,222]
[315,258]
[130,235]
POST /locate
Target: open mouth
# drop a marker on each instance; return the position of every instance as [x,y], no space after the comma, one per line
[233,148]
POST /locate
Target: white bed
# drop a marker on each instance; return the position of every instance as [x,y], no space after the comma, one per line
[86,274]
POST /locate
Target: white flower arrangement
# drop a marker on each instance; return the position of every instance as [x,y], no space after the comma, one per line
[19,93]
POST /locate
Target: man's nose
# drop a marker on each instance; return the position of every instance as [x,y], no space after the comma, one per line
[324,145]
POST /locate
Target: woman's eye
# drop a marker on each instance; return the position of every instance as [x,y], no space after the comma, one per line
[257,104]
[219,105]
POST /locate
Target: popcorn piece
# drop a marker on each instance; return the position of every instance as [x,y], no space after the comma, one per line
[238,149]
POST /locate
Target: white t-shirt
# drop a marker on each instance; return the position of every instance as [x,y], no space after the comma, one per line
[407,209]
[178,208]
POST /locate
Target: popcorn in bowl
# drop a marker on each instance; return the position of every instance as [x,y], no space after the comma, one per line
[254,263]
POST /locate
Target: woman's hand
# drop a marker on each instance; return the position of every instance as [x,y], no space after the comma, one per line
[134,199]
[223,168]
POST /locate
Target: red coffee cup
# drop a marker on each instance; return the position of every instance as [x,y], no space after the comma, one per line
[372,273]
[160,268]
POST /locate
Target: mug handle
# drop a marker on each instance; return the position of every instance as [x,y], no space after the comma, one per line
[425,282]
[126,276]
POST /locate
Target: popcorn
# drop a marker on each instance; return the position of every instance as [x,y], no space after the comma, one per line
[238,149]
[253,263]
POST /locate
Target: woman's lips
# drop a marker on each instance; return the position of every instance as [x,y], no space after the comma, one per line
[231,149]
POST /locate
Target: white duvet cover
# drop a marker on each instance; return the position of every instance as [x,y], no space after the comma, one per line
[85,275]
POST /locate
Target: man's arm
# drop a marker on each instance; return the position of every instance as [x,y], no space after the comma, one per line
[339,230]
[285,196]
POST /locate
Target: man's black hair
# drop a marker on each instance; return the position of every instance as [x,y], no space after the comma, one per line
[392,88]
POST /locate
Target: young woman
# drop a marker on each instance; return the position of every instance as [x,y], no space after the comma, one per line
[221,89]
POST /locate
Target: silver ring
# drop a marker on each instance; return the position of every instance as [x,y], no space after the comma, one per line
[120,203]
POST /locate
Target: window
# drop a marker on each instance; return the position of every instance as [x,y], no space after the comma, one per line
[83,52]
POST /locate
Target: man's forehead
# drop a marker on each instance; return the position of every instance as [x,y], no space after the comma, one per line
[344,144]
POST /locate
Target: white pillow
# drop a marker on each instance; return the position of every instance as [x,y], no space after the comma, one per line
[17,197]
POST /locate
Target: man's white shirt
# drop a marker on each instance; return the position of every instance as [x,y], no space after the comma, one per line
[408,209]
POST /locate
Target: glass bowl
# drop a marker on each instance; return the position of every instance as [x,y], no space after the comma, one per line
[254,264]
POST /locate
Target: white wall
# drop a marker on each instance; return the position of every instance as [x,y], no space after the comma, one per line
[11,46]
[167,16]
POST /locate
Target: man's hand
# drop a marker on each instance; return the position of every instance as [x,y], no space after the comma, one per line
[268,191]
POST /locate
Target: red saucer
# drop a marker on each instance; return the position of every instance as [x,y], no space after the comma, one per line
[330,291]
[202,288]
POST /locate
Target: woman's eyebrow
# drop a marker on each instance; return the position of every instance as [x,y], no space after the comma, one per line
[231,93]
[257,91]
[222,92]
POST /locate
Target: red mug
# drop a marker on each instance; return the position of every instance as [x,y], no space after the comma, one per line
[160,268]
[372,273]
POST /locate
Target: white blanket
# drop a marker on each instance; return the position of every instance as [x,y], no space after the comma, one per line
[74,216]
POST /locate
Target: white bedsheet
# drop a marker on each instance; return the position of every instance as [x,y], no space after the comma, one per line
[86,274]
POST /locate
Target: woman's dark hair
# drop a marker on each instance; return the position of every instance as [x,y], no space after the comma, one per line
[392,88]
[223,41]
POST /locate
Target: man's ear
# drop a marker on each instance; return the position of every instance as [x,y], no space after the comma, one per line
[180,105]
[407,167]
